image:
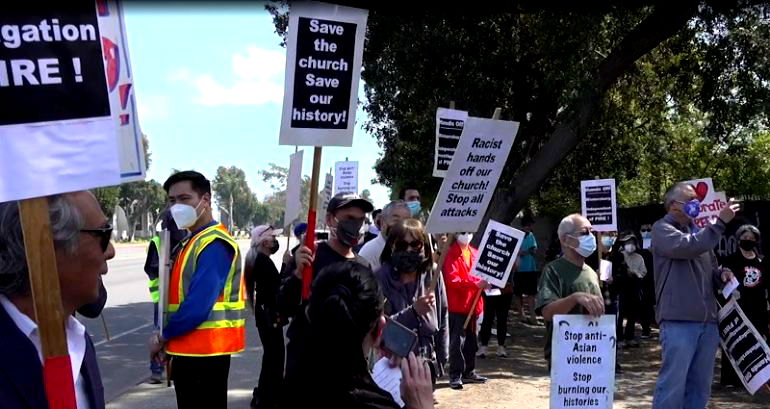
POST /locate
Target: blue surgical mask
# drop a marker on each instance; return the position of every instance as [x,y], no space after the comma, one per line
[415,207]
[692,208]
[646,234]
[587,245]
[608,241]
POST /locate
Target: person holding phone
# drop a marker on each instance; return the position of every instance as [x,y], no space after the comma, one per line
[345,320]
[406,275]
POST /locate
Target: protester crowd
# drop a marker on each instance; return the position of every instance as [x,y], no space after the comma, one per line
[369,282]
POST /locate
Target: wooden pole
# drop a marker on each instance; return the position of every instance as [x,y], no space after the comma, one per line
[46,295]
[307,274]
[451,105]
[106,330]
[495,116]
[440,265]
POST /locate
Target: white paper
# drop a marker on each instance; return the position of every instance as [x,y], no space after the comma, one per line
[605,270]
[293,189]
[599,203]
[472,176]
[388,379]
[646,243]
[164,264]
[319,136]
[449,125]
[497,253]
[346,176]
[122,103]
[711,201]
[583,362]
[729,287]
[493,292]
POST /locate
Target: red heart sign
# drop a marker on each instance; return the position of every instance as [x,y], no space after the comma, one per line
[702,189]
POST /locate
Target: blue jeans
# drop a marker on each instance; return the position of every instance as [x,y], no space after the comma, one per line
[156,367]
[688,350]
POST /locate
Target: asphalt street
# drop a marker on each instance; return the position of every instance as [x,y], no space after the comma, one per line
[128,318]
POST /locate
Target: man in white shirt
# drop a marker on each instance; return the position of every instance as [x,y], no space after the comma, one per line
[392,214]
[82,246]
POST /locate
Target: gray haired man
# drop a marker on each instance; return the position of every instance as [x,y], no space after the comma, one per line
[82,247]
[393,213]
[686,278]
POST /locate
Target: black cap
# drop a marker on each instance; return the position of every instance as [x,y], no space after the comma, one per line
[343,200]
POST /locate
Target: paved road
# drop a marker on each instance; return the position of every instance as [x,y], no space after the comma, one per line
[123,359]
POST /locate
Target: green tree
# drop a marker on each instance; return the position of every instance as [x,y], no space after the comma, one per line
[232,191]
[108,197]
[365,194]
[277,177]
[141,198]
[600,90]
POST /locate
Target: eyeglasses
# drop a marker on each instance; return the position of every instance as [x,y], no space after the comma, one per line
[402,245]
[582,233]
[103,233]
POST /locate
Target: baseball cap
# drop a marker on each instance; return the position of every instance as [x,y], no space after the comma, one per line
[262,233]
[344,200]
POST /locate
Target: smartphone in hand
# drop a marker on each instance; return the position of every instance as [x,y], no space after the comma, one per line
[398,339]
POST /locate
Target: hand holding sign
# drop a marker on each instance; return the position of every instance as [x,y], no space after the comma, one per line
[728,213]
[593,304]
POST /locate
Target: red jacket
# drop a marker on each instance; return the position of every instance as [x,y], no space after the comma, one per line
[460,284]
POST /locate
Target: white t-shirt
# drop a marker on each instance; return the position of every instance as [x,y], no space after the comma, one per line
[76,344]
[372,251]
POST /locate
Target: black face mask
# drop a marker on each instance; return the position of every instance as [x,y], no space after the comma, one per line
[407,261]
[747,245]
[275,246]
[349,231]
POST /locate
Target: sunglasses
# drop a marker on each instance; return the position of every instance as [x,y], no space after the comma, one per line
[402,245]
[103,233]
[645,230]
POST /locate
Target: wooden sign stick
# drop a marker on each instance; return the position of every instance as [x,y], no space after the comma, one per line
[495,116]
[46,296]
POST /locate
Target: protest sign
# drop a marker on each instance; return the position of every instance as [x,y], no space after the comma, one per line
[293,189]
[711,201]
[120,84]
[600,203]
[472,176]
[497,253]
[323,65]
[583,361]
[51,67]
[346,175]
[746,349]
[449,127]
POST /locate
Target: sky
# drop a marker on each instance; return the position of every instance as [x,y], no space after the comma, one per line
[209,89]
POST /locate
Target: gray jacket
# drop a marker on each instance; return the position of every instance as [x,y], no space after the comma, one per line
[686,271]
[432,329]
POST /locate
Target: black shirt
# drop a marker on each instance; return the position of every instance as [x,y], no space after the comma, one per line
[262,278]
[290,305]
[752,286]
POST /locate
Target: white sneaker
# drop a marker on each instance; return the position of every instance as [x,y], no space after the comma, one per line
[501,352]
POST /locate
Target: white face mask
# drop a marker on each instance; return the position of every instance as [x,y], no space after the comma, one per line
[465,238]
[185,215]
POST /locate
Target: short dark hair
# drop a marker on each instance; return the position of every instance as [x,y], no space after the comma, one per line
[199,183]
[402,192]
[527,220]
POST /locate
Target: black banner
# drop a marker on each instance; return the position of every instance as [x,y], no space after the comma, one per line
[449,131]
[51,64]
[323,74]
[599,204]
[745,347]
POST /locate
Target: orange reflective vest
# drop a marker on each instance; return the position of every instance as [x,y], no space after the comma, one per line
[224,332]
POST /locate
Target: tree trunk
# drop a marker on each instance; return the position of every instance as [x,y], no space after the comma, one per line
[664,22]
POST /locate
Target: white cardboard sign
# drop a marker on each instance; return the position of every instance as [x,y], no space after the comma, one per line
[497,253]
[746,349]
[449,127]
[293,189]
[472,176]
[599,201]
[120,84]
[346,175]
[711,201]
[583,362]
[323,65]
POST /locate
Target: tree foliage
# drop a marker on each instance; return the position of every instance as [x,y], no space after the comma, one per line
[275,204]
[141,198]
[230,185]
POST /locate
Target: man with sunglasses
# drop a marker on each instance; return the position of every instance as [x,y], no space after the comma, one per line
[82,247]
[568,285]
[686,278]
[345,216]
